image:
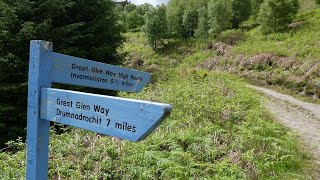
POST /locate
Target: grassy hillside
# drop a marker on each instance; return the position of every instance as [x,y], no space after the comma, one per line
[290,59]
[217,130]
[307,5]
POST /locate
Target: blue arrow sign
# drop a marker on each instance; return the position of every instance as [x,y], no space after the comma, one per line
[77,71]
[123,118]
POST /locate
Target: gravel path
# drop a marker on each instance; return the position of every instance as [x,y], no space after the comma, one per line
[302,117]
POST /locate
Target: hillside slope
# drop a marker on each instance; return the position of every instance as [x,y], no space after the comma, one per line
[217,130]
[290,59]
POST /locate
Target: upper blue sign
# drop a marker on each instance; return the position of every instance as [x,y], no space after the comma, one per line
[77,71]
[123,118]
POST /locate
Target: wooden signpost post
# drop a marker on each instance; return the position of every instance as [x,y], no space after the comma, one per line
[124,118]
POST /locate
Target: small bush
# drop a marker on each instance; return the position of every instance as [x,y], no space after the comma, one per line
[309,89]
[231,37]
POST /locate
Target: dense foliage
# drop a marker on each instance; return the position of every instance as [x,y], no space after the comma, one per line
[131,16]
[134,20]
[77,27]
[203,25]
[275,15]
[189,22]
[241,11]
[255,6]
[210,17]
[220,15]
[156,26]
[217,130]
[203,18]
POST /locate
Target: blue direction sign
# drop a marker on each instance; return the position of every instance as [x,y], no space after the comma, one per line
[123,118]
[77,71]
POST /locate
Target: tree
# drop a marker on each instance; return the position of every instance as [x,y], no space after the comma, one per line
[144,8]
[255,7]
[122,15]
[175,11]
[189,22]
[183,16]
[220,15]
[134,20]
[155,26]
[241,11]
[80,28]
[275,15]
[130,7]
[202,27]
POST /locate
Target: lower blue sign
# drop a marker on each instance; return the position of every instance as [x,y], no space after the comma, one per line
[123,118]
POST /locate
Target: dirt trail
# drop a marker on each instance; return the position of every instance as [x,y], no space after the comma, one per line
[302,117]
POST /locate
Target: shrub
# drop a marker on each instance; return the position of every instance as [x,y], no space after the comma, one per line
[275,15]
[231,37]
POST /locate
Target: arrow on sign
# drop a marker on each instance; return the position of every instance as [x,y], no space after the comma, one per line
[82,72]
[124,118]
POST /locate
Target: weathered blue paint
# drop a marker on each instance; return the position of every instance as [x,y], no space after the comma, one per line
[123,118]
[37,130]
[82,72]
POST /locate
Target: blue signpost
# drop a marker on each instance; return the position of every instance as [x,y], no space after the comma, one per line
[124,118]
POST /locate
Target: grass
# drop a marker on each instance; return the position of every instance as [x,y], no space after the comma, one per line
[289,59]
[307,5]
[217,130]
[303,44]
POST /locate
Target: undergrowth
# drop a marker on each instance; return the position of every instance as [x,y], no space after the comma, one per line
[217,130]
